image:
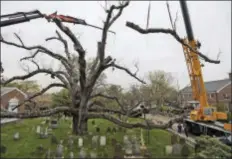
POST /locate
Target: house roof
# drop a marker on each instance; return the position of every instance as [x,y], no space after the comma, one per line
[5,90]
[211,86]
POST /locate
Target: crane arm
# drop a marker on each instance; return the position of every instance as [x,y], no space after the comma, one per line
[19,17]
[192,61]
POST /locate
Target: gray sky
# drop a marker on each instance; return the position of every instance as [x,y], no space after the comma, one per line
[211,22]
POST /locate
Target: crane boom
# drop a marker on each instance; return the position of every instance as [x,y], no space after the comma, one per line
[192,61]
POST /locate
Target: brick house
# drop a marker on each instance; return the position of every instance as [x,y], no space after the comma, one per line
[218,92]
[10,97]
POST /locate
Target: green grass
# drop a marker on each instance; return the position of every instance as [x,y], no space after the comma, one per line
[26,146]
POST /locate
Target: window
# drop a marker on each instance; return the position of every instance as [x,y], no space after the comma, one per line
[12,104]
[211,95]
[225,96]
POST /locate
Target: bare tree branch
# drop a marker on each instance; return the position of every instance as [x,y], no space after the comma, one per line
[61,39]
[109,97]
[55,74]
[136,125]
[39,49]
[126,70]
[171,32]
[40,93]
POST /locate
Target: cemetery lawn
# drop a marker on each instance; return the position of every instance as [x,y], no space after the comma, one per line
[26,146]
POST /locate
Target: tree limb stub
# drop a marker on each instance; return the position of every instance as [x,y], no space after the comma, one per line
[171,32]
[40,93]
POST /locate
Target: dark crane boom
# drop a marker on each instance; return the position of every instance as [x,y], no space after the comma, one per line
[187,21]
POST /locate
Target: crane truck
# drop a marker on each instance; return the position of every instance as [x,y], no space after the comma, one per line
[203,119]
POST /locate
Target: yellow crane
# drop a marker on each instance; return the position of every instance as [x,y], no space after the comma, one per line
[203,112]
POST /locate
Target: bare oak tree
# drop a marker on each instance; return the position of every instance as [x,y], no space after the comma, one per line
[81,82]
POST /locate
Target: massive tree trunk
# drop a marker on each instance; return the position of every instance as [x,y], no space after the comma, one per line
[83,127]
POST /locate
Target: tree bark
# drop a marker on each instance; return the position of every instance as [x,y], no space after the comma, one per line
[83,126]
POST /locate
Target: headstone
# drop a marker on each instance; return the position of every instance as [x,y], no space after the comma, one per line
[80,142]
[176,149]
[103,140]
[40,148]
[185,151]
[113,142]
[48,154]
[125,139]
[3,149]
[70,142]
[38,129]
[94,141]
[59,151]
[43,122]
[118,153]
[49,131]
[173,139]
[136,149]
[82,153]
[54,124]
[54,140]
[16,136]
[128,149]
[71,155]
[93,154]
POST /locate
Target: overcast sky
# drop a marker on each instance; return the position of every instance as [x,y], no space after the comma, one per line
[211,22]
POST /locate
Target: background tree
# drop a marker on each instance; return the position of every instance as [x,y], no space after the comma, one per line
[27,86]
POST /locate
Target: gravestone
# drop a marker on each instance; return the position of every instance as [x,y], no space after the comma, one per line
[54,124]
[49,131]
[136,149]
[48,154]
[103,140]
[95,141]
[125,139]
[118,152]
[80,142]
[3,149]
[93,154]
[82,153]
[168,150]
[176,149]
[54,140]
[128,149]
[113,142]
[16,136]
[70,142]
[71,155]
[38,129]
[59,151]
[173,139]
[40,149]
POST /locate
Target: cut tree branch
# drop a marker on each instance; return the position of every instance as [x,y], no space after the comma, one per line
[136,125]
[171,32]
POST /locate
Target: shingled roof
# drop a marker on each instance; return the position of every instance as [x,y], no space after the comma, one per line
[211,86]
[5,90]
